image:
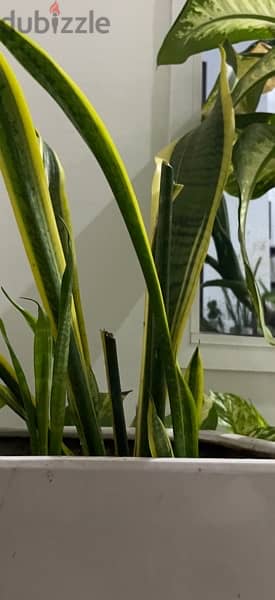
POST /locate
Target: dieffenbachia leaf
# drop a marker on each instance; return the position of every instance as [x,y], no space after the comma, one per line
[206,24]
[259,73]
[240,414]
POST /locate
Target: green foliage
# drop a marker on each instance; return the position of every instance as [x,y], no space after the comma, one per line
[205,24]
[187,208]
[239,414]
[159,442]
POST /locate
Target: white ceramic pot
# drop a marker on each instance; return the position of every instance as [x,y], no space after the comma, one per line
[136,529]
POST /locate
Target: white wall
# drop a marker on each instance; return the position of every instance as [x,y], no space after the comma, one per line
[143,108]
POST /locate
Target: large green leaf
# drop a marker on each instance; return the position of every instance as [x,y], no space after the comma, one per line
[259,73]
[241,415]
[86,120]
[205,24]
[201,161]
[254,149]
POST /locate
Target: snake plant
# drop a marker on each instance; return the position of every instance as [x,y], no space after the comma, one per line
[191,175]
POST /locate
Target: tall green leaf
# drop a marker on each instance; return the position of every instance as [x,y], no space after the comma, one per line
[57,188]
[159,441]
[201,161]
[86,120]
[61,355]
[114,386]
[153,382]
[194,377]
[43,359]
[205,24]
[191,425]
[22,168]
[254,149]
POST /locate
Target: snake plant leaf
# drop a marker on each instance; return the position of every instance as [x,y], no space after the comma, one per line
[8,376]
[57,188]
[194,377]
[88,123]
[43,360]
[209,416]
[7,398]
[201,162]
[240,414]
[29,318]
[250,100]
[203,25]
[61,356]
[114,386]
[159,441]
[25,391]
[153,382]
[254,149]
[191,426]
[23,172]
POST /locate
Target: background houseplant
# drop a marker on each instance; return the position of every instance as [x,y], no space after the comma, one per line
[208,148]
